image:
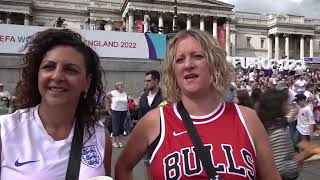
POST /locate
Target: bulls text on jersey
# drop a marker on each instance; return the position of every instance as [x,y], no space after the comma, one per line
[177,163]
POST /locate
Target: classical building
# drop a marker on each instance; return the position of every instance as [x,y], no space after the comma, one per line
[241,33]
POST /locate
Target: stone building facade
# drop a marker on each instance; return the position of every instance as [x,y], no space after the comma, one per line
[243,34]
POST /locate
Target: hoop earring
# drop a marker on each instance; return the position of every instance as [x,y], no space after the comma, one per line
[85,94]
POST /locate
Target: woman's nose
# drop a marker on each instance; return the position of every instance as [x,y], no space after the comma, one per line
[188,63]
[58,74]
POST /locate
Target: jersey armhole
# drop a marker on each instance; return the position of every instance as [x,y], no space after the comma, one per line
[245,127]
[155,145]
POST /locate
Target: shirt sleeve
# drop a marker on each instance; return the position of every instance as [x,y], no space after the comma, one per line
[283,154]
[310,116]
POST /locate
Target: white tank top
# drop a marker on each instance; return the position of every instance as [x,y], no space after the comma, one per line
[29,153]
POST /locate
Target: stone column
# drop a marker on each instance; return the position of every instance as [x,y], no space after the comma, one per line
[228,37]
[160,23]
[127,23]
[233,43]
[146,20]
[188,22]
[8,18]
[215,28]
[276,46]
[202,28]
[311,46]
[131,20]
[287,48]
[109,25]
[174,23]
[26,20]
[301,46]
[269,47]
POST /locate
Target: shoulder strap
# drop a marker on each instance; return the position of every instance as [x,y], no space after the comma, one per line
[75,152]
[201,152]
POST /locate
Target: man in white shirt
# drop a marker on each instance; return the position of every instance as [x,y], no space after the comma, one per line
[300,84]
[311,98]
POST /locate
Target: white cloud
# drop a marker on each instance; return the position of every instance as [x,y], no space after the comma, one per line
[308,8]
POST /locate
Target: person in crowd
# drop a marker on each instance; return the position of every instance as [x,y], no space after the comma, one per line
[305,119]
[272,111]
[292,108]
[232,93]
[4,93]
[197,74]
[4,105]
[317,107]
[54,131]
[300,84]
[152,97]
[255,96]
[309,93]
[119,111]
[149,100]
[243,98]
[131,103]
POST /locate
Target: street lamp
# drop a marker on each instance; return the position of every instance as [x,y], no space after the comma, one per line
[175,15]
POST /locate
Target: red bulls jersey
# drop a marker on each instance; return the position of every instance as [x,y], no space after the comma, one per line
[223,131]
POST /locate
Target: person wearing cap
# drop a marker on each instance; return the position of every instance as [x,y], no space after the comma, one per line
[305,119]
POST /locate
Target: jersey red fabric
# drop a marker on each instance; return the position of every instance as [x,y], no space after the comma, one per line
[223,131]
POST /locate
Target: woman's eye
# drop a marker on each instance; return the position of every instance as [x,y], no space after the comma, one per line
[72,70]
[198,56]
[47,67]
[179,60]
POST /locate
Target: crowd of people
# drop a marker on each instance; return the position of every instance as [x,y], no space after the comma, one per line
[208,120]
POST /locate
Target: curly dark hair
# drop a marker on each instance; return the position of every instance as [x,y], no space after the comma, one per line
[244,98]
[270,109]
[27,91]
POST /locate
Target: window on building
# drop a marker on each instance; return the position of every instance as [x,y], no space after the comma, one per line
[262,43]
[248,42]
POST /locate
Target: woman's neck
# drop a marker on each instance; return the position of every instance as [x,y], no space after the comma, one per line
[199,106]
[57,121]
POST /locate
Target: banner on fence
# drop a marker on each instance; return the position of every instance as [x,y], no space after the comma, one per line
[107,44]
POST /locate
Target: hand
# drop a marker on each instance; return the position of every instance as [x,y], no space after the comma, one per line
[309,147]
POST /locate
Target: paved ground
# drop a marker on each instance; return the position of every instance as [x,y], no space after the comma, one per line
[311,169]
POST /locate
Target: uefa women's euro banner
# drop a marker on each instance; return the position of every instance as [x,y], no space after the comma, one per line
[262,63]
[107,44]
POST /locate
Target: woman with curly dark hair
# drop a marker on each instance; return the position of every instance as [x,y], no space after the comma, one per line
[54,132]
[271,110]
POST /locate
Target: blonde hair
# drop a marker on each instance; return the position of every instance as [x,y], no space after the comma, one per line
[222,71]
[117,84]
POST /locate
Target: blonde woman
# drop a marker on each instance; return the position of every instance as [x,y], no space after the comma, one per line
[196,73]
[119,108]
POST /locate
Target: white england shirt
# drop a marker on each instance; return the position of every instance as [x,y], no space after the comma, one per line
[29,153]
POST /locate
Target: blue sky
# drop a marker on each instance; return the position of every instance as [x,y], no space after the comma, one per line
[308,8]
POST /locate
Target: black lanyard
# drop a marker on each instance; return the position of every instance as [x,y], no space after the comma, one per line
[75,152]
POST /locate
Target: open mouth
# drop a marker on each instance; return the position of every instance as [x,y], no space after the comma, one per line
[56,89]
[191,76]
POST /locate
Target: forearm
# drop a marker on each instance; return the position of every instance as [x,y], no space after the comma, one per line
[122,173]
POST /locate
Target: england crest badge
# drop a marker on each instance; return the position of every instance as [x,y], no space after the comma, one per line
[91,156]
